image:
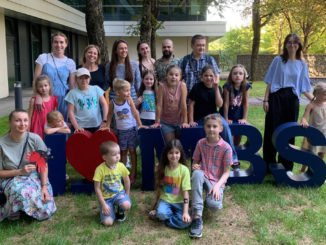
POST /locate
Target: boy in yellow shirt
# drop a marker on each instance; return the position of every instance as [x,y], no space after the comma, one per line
[109,189]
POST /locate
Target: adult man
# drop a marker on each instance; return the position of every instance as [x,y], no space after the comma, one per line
[167,59]
[192,64]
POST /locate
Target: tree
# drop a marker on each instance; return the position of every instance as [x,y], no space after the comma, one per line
[94,26]
[307,18]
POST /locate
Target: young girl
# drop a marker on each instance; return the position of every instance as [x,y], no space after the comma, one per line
[55,123]
[172,187]
[236,98]
[83,104]
[146,101]
[171,109]
[43,88]
[316,110]
[204,99]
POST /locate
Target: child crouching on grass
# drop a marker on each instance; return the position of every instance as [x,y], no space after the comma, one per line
[109,189]
[212,159]
[172,187]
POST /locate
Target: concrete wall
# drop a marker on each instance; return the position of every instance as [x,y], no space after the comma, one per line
[316,64]
[4,91]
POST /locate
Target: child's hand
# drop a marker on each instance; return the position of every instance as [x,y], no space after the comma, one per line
[156,125]
[229,121]
[184,125]
[216,81]
[106,210]
[143,126]
[215,192]
[242,121]
[186,218]
[265,106]
[79,130]
[103,125]
[195,166]
[152,214]
[304,123]
[105,128]
[139,101]
[193,124]
[39,103]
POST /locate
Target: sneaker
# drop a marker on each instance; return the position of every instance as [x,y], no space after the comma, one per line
[196,228]
[236,166]
[120,215]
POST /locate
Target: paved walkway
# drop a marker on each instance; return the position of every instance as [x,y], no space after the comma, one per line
[8,104]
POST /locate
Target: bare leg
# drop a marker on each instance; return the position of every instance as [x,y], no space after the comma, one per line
[124,156]
[133,159]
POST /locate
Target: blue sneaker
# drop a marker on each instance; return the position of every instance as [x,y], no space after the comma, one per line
[196,228]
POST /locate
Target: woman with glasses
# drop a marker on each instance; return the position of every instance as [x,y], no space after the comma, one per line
[287,78]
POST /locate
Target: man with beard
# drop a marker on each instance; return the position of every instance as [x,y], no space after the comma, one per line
[192,64]
[167,60]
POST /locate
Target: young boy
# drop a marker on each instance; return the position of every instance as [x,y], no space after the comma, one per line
[55,123]
[212,159]
[108,186]
[126,116]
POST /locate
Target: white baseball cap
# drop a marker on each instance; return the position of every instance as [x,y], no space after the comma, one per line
[82,71]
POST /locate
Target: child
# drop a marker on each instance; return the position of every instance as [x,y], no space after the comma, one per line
[212,159]
[172,187]
[43,88]
[146,101]
[204,98]
[83,104]
[109,189]
[236,98]
[171,109]
[316,110]
[126,116]
[55,123]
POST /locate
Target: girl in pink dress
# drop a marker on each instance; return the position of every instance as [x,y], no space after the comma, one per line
[43,87]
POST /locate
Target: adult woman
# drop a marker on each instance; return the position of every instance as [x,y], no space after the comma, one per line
[122,67]
[145,62]
[26,190]
[286,78]
[92,62]
[59,69]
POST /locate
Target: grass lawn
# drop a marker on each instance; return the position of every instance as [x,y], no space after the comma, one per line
[252,214]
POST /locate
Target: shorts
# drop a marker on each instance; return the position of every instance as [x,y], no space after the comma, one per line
[169,128]
[127,138]
[116,200]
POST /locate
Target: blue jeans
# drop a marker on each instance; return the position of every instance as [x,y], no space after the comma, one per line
[171,213]
[198,183]
[116,200]
[226,135]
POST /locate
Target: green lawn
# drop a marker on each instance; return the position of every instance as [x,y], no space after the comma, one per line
[253,214]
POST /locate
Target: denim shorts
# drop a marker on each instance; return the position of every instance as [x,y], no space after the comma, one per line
[168,128]
[127,138]
[116,200]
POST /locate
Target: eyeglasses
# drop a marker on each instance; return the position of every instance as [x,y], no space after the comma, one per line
[291,43]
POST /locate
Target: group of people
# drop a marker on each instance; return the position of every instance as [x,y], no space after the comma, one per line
[169,93]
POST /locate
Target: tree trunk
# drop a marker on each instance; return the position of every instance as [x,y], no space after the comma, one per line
[155,13]
[94,26]
[256,26]
[146,22]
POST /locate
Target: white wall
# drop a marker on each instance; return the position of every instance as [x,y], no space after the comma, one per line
[4,89]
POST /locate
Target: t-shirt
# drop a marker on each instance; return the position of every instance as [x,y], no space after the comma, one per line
[176,181]
[87,111]
[10,151]
[148,107]
[204,100]
[110,178]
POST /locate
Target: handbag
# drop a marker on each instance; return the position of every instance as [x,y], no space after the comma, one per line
[3,197]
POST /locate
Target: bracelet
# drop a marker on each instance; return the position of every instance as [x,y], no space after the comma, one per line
[105,121]
[42,185]
[265,100]
[185,200]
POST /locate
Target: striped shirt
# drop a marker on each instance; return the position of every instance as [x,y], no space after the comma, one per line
[213,159]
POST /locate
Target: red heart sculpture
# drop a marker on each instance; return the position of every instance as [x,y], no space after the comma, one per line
[83,151]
